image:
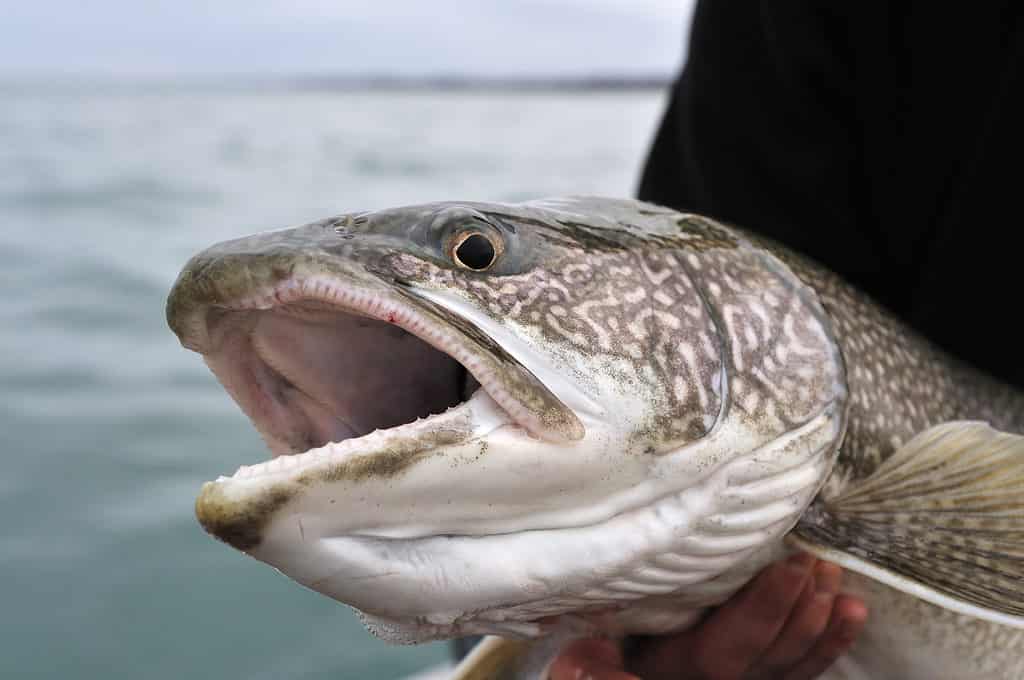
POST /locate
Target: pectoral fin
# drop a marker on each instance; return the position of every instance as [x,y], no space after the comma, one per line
[941,519]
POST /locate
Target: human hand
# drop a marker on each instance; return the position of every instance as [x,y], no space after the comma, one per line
[788,623]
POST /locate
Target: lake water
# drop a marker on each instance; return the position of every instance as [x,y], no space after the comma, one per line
[108,427]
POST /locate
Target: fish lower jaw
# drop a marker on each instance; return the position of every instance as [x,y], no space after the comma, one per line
[475,417]
[700,553]
[690,546]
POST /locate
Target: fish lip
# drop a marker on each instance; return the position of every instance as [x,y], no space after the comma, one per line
[454,422]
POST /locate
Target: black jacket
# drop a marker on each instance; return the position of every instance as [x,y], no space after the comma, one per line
[884,140]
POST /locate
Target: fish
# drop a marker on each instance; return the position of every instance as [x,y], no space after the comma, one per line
[588,415]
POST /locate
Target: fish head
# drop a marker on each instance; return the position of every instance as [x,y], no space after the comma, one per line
[483,415]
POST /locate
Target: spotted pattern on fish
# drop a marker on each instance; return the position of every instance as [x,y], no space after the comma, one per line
[958,646]
[780,345]
[693,313]
[900,384]
[515,378]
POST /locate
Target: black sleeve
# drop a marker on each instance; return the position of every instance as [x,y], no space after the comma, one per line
[881,139]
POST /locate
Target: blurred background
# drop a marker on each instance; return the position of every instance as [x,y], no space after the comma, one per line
[133,134]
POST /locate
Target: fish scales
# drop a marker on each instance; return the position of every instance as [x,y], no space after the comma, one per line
[901,384]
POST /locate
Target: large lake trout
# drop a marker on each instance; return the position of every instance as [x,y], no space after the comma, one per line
[602,415]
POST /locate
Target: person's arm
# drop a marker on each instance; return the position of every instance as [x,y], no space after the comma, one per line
[789,623]
[764,129]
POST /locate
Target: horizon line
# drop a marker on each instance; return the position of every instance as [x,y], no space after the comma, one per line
[339,82]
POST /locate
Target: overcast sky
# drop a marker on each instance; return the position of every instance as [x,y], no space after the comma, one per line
[283,37]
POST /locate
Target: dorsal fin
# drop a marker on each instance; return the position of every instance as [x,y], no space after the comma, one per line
[941,519]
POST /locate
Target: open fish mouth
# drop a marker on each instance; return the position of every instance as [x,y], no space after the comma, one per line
[353,376]
[313,366]
[323,369]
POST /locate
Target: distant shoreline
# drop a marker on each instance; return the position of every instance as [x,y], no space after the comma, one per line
[539,84]
[328,83]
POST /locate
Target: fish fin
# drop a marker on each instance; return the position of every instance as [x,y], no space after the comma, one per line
[941,519]
[493,658]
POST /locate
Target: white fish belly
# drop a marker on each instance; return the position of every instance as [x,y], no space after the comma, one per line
[909,639]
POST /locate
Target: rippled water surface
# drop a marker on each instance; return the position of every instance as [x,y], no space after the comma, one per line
[108,427]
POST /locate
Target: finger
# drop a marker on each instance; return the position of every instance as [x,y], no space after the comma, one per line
[739,631]
[594,658]
[806,622]
[829,576]
[848,617]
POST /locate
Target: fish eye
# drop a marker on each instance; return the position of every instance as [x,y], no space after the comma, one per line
[474,250]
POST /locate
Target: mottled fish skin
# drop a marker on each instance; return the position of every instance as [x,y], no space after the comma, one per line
[900,385]
[673,273]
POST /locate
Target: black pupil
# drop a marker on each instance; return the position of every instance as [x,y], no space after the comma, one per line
[475,251]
